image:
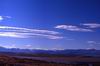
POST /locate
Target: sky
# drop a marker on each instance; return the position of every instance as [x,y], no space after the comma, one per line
[50,24]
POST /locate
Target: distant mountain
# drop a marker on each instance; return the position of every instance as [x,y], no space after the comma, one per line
[67,52]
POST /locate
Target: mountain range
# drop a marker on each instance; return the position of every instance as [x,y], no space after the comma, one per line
[36,52]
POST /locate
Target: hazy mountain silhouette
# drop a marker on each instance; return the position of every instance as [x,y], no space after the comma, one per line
[66,52]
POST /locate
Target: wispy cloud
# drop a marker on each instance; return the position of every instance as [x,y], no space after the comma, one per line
[73,28]
[19,32]
[4,17]
[1,18]
[10,46]
[8,16]
[93,42]
[13,34]
[28,46]
[19,29]
[91,25]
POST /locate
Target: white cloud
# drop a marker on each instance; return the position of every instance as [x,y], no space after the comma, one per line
[28,30]
[28,46]
[53,37]
[4,17]
[13,34]
[8,16]
[69,39]
[1,18]
[92,25]
[39,48]
[18,32]
[73,28]
[10,46]
[93,42]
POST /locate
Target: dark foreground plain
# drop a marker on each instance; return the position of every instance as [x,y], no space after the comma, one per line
[6,60]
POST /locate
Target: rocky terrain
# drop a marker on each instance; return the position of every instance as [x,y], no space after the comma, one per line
[14,61]
[26,57]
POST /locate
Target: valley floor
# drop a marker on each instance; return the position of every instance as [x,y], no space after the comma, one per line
[15,61]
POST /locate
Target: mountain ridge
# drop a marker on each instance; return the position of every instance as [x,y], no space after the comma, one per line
[66,52]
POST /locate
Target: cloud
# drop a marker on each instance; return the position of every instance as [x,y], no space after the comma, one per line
[8,16]
[53,37]
[28,46]
[13,34]
[91,25]
[18,32]
[10,46]
[28,30]
[1,18]
[4,17]
[69,39]
[93,42]
[73,28]
[28,35]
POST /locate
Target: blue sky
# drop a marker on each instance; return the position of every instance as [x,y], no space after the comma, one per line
[50,24]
